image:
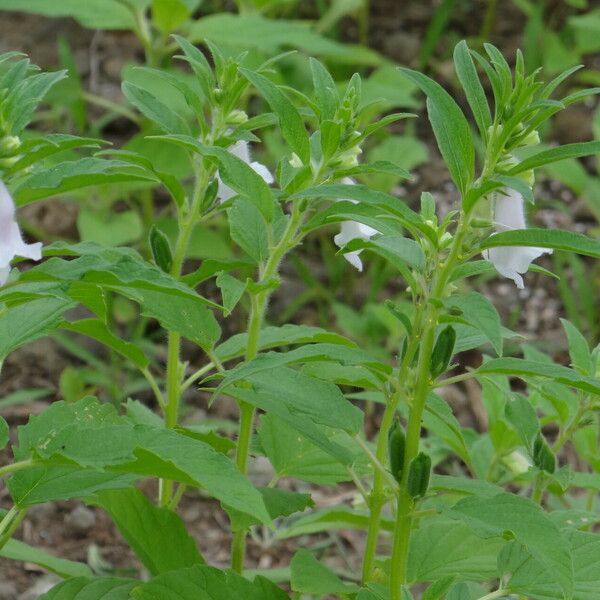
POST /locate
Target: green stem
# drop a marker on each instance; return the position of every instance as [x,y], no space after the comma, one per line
[17,466]
[10,524]
[423,385]
[259,302]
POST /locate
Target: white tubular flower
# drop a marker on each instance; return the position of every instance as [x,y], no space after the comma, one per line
[352,230]
[11,242]
[241,149]
[511,261]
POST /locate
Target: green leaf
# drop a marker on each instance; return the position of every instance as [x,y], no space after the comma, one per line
[518,367]
[545,157]
[530,577]
[249,230]
[579,351]
[481,314]
[444,548]
[309,576]
[290,121]
[169,14]
[161,114]
[109,228]
[94,436]
[451,130]
[286,335]
[527,523]
[27,322]
[363,194]
[521,415]
[157,535]
[4,433]
[270,35]
[72,175]
[94,14]
[294,455]
[16,550]
[467,75]
[545,238]
[97,330]
[325,89]
[97,588]
[207,583]
[232,290]
[393,248]
[234,172]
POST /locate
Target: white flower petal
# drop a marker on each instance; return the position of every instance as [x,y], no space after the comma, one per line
[512,261]
[11,242]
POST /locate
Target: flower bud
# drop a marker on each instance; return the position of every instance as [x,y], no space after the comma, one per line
[237,117]
[419,474]
[9,144]
[295,161]
[396,447]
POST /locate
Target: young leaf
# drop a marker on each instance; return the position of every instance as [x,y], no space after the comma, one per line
[249,230]
[545,157]
[451,130]
[467,75]
[579,351]
[290,121]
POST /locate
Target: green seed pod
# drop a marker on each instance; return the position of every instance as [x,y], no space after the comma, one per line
[396,446]
[161,249]
[419,473]
[443,351]
[543,457]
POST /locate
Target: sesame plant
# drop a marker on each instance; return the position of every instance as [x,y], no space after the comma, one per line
[447,512]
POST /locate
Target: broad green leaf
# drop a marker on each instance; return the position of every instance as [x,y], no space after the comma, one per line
[169,14]
[271,360]
[480,313]
[249,230]
[234,172]
[361,194]
[438,589]
[521,415]
[290,121]
[88,588]
[206,583]
[47,484]
[536,581]
[232,290]
[279,503]
[518,367]
[294,455]
[72,175]
[545,157]
[94,436]
[16,550]
[309,576]
[443,548]
[272,337]
[527,523]
[469,79]
[463,486]
[545,238]
[270,35]
[94,14]
[109,229]
[381,167]
[157,535]
[161,114]
[579,351]
[451,130]
[27,322]
[392,248]
[95,329]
